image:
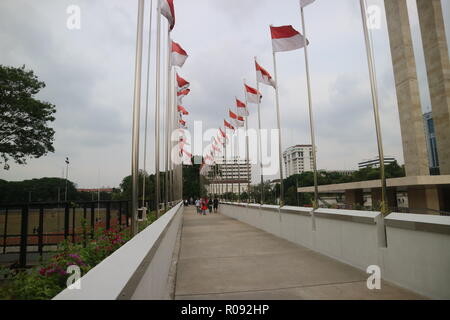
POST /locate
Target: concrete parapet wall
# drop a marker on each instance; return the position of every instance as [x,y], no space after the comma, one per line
[139,270]
[410,249]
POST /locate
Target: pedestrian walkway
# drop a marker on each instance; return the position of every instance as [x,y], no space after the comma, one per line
[222,258]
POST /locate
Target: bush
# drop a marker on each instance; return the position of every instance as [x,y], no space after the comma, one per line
[50,278]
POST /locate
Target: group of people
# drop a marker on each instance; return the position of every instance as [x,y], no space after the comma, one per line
[204,205]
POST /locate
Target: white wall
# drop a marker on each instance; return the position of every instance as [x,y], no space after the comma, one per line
[412,250]
[137,270]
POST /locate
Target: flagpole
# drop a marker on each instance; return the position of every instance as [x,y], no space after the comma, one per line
[146,103]
[136,119]
[168,114]
[247,153]
[311,115]
[157,107]
[226,165]
[279,129]
[260,140]
[236,159]
[374,89]
[174,115]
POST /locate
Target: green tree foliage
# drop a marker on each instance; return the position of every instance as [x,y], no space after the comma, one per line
[45,190]
[193,185]
[24,130]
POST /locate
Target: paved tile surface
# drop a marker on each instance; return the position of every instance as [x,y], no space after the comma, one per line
[222,258]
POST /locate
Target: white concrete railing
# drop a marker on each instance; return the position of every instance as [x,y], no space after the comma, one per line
[412,250]
[138,270]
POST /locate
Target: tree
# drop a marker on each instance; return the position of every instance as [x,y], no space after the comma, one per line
[24,130]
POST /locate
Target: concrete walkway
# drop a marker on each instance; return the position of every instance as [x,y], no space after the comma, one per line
[222,258]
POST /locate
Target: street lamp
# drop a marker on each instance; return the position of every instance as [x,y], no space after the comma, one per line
[67,176]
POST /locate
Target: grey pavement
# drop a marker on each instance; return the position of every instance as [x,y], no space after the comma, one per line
[222,258]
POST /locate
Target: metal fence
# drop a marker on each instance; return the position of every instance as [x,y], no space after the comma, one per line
[37,228]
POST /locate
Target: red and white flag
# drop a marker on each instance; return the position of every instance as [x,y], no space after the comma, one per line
[263,76]
[168,11]
[253,96]
[182,110]
[242,108]
[228,125]
[182,84]
[223,135]
[182,123]
[179,56]
[286,38]
[181,95]
[304,3]
[238,120]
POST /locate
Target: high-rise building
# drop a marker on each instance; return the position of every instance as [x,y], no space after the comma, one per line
[431,141]
[298,159]
[375,162]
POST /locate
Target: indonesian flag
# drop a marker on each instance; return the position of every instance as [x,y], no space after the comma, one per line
[286,38]
[223,135]
[215,148]
[263,76]
[238,120]
[189,155]
[241,108]
[182,94]
[182,110]
[253,96]
[182,123]
[304,3]
[228,125]
[179,56]
[168,11]
[182,84]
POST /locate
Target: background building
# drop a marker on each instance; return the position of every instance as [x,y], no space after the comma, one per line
[375,162]
[431,141]
[298,159]
[234,172]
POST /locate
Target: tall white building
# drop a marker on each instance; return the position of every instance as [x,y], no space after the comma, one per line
[298,159]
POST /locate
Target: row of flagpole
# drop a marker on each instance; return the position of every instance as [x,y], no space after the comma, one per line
[286,38]
[176,56]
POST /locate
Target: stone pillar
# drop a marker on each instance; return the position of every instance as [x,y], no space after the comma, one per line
[425,197]
[438,72]
[407,87]
[354,198]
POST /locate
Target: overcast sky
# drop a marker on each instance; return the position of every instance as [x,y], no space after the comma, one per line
[89,77]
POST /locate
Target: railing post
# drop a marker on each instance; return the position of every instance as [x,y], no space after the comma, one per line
[41,230]
[66,221]
[92,219]
[108,215]
[73,224]
[120,215]
[84,225]
[128,213]
[5,231]
[24,237]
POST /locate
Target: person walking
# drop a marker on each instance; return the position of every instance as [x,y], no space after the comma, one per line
[204,206]
[216,204]
[210,205]
[197,205]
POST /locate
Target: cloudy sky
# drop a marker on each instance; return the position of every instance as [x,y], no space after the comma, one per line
[89,77]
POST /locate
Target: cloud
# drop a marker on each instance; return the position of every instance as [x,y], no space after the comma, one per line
[90,76]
